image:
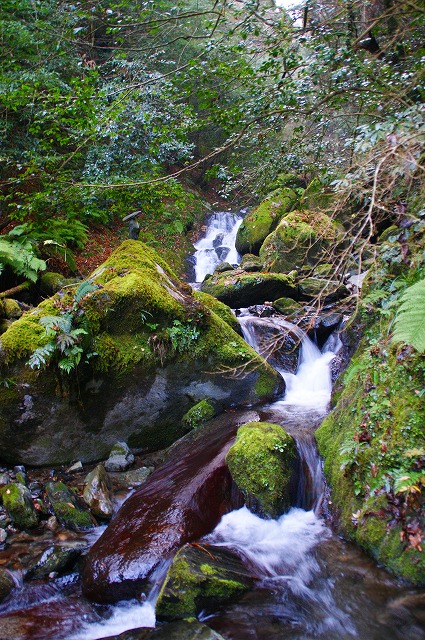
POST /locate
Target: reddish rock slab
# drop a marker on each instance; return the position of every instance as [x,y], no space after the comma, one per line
[182,500]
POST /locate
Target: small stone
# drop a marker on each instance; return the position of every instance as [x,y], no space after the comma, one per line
[78,466]
[52,523]
[120,458]
[3,535]
[69,509]
[97,493]
[4,478]
[7,583]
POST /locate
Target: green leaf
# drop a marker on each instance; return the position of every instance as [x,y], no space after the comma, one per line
[409,324]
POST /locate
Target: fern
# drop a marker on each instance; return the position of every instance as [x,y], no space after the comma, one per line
[20,257]
[409,323]
[85,287]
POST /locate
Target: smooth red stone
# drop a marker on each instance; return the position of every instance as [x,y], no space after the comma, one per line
[181,501]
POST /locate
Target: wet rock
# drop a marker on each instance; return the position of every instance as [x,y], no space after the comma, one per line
[199,578]
[120,458]
[77,466]
[97,493]
[3,535]
[132,478]
[68,508]
[52,523]
[17,501]
[7,584]
[180,630]
[263,462]
[179,503]
[56,559]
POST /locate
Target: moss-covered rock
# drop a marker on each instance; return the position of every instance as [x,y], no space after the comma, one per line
[200,413]
[68,508]
[17,501]
[257,225]
[301,238]
[263,463]
[288,307]
[11,309]
[201,577]
[239,289]
[372,443]
[151,350]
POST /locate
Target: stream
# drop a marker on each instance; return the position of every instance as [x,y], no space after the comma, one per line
[310,583]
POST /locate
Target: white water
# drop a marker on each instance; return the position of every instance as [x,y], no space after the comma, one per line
[218,245]
[311,385]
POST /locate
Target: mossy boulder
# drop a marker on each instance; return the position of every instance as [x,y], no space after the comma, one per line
[18,504]
[199,578]
[263,463]
[11,309]
[68,508]
[257,225]
[198,414]
[151,350]
[288,307]
[301,238]
[372,444]
[239,289]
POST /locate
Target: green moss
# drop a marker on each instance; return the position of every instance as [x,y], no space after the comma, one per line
[67,507]
[180,586]
[375,435]
[257,225]
[261,462]
[222,310]
[200,413]
[26,334]
[11,308]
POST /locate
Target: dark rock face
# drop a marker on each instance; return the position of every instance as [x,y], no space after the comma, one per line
[181,501]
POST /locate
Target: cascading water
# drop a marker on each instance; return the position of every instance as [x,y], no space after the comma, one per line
[310,584]
[218,245]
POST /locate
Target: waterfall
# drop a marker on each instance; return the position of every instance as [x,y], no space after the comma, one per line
[218,245]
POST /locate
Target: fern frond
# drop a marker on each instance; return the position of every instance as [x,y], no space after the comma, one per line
[85,287]
[41,356]
[409,323]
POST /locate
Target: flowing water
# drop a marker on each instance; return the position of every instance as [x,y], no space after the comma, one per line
[310,584]
[218,245]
